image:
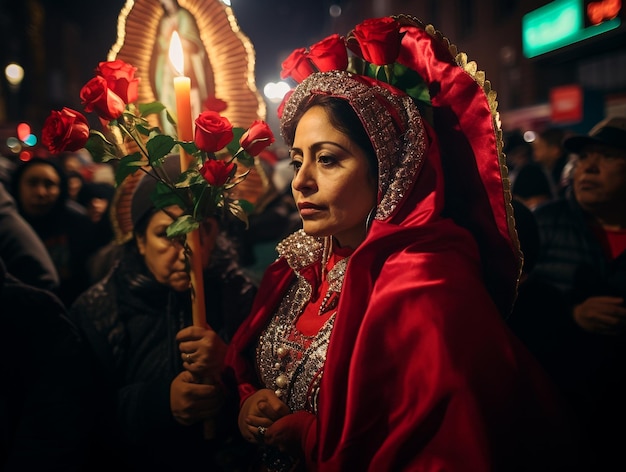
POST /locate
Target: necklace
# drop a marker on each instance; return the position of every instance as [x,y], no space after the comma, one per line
[335,281]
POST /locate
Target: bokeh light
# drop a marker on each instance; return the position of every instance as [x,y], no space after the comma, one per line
[30,140]
[23,130]
[529,136]
[334,11]
[14,73]
[14,145]
[275,91]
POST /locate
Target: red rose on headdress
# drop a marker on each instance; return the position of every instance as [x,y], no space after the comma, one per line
[97,96]
[329,54]
[65,130]
[215,172]
[281,105]
[297,66]
[257,138]
[379,40]
[120,78]
[213,131]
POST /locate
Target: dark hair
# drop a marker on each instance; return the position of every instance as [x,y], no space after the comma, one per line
[553,136]
[531,181]
[343,118]
[141,225]
[91,190]
[19,172]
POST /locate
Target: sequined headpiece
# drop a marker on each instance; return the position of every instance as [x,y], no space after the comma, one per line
[395,130]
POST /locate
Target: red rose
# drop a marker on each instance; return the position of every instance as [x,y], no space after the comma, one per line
[329,54]
[379,40]
[215,104]
[120,78]
[215,172]
[281,105]
[65,130]
[257,138]
[213,131]
[96,96]
[297,66]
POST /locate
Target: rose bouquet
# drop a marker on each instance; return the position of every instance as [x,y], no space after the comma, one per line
[202,190]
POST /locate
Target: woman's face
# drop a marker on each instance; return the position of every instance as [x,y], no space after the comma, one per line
[164,257]
[332,185]
[96,208]
[39,189]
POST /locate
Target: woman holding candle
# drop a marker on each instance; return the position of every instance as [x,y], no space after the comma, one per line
[137,321]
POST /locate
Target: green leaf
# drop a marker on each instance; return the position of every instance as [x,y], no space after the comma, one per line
[247,206]
[411,82]
[205,205]
[165,195]
[170,117]
[188,146]
[146,130]
[153,108]
[100,148]
[234,145]
[99,134]
[371,70]
[128,165]
[181,226]
[246,159]
[188,178]
[159,146]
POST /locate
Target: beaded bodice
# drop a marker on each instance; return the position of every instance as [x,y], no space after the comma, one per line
[290,362]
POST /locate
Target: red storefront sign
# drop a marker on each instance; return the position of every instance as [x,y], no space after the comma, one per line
[566,104]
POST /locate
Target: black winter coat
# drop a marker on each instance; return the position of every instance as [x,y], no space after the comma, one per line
[46,394]
[131,321]
[571,256]
[588,367]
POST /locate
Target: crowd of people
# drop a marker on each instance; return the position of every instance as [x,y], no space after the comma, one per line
[429,310]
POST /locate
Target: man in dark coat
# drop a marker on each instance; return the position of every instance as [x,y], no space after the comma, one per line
[46,386]
[583,254]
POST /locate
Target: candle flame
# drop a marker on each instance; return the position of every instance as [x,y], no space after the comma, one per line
[176,53]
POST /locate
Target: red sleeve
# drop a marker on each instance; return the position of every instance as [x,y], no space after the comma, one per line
[296,434]
[240,355]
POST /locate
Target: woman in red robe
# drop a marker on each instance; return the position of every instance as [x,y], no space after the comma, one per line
[377,339]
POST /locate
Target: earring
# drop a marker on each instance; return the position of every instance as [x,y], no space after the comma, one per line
[369,219]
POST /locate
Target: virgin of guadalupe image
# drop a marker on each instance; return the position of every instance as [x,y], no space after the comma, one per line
[196,63]
[217,57]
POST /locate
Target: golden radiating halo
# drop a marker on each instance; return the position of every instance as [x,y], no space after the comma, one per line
[230,53]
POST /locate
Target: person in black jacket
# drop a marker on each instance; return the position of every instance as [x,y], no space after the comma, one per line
[583,254]
[39,187]
[21,249]
[150,359]
[46,394]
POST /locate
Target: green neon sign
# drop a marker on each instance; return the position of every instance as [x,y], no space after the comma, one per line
[558,24]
